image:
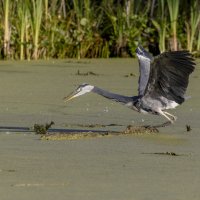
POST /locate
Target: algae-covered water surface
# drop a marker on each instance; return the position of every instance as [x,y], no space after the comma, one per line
[127,166]
[32,92]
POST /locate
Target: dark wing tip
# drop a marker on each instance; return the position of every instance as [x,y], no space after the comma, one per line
[180,60]
[170,71]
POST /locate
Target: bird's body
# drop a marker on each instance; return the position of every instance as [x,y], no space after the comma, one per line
[162,83]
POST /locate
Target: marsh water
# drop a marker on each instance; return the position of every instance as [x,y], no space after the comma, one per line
[119,167]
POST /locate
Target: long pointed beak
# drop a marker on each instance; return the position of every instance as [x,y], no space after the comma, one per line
[70,96]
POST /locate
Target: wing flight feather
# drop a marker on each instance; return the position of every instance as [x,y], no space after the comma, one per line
[169,75]
[144,75]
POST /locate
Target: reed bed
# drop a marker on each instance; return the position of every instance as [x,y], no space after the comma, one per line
[42,29]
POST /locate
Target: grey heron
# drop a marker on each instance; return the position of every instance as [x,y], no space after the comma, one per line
[162,84]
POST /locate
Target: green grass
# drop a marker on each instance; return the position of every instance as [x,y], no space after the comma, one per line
[42,29]
[173,6]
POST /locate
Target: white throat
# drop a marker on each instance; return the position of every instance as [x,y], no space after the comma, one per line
[84,90]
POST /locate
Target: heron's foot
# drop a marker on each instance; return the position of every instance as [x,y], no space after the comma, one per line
[175,118]
[171,117]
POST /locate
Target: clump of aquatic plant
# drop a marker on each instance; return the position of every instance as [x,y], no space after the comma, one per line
[42,128]
[125,23]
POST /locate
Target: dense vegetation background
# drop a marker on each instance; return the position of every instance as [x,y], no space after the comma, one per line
[38,29]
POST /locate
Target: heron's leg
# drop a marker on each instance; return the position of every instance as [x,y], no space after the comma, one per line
[165,115]
[172,116]
[170,121]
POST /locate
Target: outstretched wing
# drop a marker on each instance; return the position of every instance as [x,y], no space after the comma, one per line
[169,75]
[144,68]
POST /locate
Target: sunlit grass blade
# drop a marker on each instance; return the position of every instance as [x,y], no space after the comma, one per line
[173,6]
[36,10]
[193,24]
[160,24]
[198,41]
[6,42]
[23,24]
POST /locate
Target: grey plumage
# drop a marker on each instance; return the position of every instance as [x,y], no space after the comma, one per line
[162,83]
[144,69]
[169,75]
[115,97]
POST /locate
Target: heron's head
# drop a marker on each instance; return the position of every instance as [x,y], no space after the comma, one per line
[82,89]
[142,53]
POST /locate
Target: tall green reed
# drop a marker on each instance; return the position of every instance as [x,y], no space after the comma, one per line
[193,24]
[36,11]
[173,6]
[160,23]
[6,43]
[198,41]
[124,23]
[46,2]
[84,26]
[23,28]
[117,21]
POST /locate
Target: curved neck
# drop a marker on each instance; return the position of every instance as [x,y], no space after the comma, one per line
[113,96]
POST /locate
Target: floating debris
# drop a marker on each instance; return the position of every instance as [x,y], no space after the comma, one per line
[188,128]
[42,128]
[130,75]
[165,153]
[86,74]
[141,130]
